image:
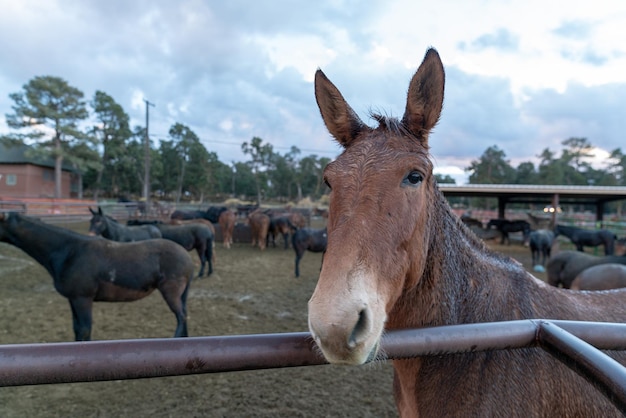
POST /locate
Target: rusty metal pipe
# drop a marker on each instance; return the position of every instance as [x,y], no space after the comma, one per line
[29,364]
[606,374]
[32,364]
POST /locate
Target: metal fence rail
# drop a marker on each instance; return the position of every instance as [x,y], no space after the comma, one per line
[575,343]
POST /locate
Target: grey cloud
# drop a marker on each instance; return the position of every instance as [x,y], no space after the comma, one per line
[501,40]
[574,29]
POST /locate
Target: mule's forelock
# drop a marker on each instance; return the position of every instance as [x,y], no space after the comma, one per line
[398,128]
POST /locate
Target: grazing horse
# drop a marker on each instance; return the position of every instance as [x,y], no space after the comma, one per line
[505,227]
[88,269]
[259,228]
[109,228]
[588,238]
[304,239]
[280,225]
[226,221]
[192,236]
[601,277]
[398,257]
[540,242]
[563,267]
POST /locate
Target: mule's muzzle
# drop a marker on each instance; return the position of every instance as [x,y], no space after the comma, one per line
[350,340]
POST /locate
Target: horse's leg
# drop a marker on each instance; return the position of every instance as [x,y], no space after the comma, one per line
[209,255]
[286,240]
[299,254]
[82,318]
[177,304]
[579,247]
[202,255]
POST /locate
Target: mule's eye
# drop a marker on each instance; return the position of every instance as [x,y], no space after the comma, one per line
[327,183]
[412,179]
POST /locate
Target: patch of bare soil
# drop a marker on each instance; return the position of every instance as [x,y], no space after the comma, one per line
[250,292]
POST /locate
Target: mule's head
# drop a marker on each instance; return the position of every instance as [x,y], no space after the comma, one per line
[378,221]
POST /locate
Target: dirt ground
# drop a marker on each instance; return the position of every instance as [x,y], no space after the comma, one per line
[250,292]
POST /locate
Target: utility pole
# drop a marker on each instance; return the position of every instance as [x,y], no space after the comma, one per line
[146,150]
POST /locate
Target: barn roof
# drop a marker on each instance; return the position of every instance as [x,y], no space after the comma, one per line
[18,154]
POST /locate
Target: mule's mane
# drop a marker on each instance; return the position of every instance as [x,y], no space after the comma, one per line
[395,126]
[467,233]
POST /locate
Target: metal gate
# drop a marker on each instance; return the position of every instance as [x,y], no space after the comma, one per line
[575,343]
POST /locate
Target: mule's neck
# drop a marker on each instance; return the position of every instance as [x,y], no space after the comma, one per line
[461,279]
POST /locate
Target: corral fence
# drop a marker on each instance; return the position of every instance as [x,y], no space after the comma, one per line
[577,344]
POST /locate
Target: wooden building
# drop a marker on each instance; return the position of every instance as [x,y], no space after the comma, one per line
[24,175]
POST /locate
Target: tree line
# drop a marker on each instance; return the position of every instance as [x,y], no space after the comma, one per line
[109,155]
[95,138]
[571,167]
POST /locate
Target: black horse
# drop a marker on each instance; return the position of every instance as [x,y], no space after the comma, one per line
[304,239]
[185,215]
[192,236]
[505,227]
[211,214]
[279,225]
[588,238]
[88,269]
[540,242]
[109,228]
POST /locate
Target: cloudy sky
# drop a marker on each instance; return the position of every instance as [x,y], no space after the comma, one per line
[522,75]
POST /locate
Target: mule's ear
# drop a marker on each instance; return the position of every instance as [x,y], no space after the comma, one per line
[425,96]
[342,122]
[99,210]
[91,210]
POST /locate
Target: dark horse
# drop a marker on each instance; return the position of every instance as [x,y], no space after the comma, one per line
[601,277]
[88,269]
[304,239]
[188,214]
[211,214]
[404,260]
[280,225]
[505,227]
[588,238]
[565,266]
[109,228]
[192,236]
[540,242]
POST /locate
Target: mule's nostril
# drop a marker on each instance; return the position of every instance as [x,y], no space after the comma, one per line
[359,329]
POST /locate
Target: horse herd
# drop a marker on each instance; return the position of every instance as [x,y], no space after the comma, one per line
[117,262]
[569,269]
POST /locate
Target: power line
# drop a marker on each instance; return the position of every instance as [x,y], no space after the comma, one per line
[319,151]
